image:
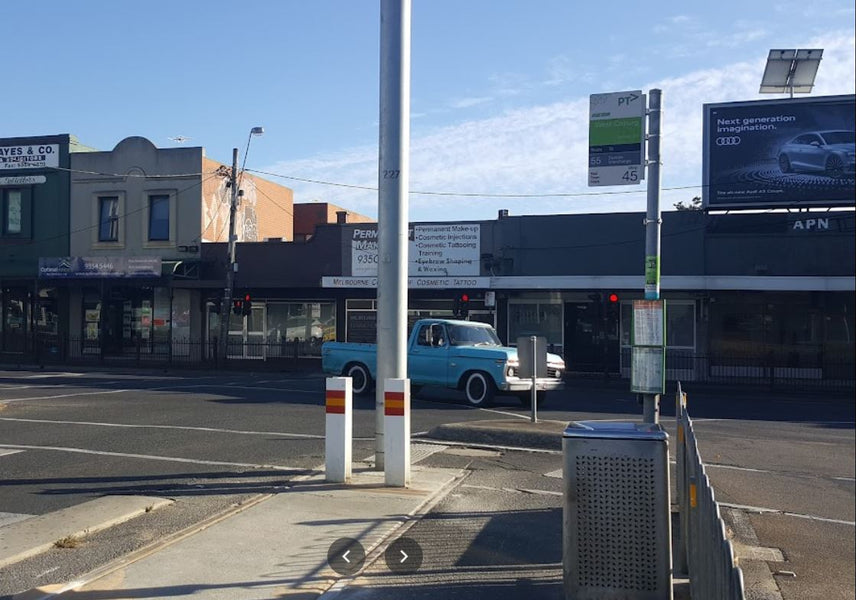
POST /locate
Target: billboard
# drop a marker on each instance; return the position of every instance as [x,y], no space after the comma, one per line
[779,153]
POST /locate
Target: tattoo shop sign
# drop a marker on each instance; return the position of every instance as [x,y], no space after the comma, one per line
[447,250]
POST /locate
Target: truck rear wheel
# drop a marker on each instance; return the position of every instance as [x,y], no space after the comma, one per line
[360,378]
[479,389]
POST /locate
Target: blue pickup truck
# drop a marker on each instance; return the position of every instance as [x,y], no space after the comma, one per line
[462,355]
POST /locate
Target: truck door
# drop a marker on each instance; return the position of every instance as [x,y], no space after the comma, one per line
[429,355]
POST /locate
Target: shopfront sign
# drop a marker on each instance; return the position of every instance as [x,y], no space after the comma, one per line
[440,250]
[22,180]
[37,156]
[89,267]
[415,283]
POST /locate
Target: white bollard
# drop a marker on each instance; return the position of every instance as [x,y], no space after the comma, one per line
[339,429]
[396,441]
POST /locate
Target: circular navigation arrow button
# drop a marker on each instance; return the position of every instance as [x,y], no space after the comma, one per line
[403,556]
[346,556]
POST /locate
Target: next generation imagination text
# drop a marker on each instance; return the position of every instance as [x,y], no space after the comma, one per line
[738,125]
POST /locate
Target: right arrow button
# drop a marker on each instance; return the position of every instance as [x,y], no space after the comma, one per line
[403,556]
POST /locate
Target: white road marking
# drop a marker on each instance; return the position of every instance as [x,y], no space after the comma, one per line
[155,389]
[513,490]
[7,400]
[761,510]
[767,471]
[49,375]
[508,414]
[176,427]
[747,469]
[480,445]
[4,452]
[146,457]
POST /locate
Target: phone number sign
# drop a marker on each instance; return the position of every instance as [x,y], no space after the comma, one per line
[29,157]
[616,138]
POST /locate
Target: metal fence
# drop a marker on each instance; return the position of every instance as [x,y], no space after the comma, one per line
[772,371]
[704,550]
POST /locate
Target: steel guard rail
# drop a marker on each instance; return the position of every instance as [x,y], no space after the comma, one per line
[704,550]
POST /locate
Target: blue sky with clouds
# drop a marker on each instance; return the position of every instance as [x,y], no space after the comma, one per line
[499,87]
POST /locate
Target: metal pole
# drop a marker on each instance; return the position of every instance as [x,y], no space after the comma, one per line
[226,308]
[651,402]
[534,409]
[393,183]
[681,480]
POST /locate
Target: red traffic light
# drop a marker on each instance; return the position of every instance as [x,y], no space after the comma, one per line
[247,298]
[465,298]
[613,297]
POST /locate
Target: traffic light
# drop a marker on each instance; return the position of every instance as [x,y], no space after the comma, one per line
[465,305]
[246,305]
[237,307]
[613,305]
[461,306]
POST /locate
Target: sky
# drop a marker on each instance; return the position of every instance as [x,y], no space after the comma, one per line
[499,88]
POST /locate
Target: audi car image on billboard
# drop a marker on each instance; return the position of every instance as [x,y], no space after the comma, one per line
[780,153]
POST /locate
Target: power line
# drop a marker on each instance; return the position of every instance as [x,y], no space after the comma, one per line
[469,194]
[123,175]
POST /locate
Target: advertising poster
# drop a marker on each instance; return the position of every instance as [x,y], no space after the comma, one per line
[779,153]
[444,250]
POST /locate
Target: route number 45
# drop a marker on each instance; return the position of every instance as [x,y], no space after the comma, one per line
[630,175]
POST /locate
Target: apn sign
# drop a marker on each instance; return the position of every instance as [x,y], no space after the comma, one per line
[811,225]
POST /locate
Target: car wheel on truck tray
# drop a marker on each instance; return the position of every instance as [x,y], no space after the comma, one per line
[479,389]
[361,380]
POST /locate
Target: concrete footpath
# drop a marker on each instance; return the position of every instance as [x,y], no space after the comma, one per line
[275,548]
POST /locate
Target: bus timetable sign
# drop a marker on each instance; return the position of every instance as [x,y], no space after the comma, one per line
[616,138]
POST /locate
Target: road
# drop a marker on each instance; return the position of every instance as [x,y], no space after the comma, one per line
[210,441]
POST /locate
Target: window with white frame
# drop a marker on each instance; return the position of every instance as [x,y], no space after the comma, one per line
[108,218]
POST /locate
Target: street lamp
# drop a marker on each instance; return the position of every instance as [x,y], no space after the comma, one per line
[232,267]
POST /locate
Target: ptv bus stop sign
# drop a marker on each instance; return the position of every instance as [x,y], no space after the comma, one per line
[616,138]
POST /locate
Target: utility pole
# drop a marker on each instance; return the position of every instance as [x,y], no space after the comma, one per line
[393,203]
[226,308]
[651,402]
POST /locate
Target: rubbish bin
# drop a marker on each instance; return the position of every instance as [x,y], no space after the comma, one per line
[616,525]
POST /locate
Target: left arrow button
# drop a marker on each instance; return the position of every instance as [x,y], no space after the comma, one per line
[346,556]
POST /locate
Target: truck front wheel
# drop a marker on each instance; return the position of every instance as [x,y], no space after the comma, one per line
[360,377]
[479,389]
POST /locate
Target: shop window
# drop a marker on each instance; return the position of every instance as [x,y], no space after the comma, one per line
[680,324]
[91,324]
[159,218]
[14,309]
[301,321]
[535,318]
[108,219]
